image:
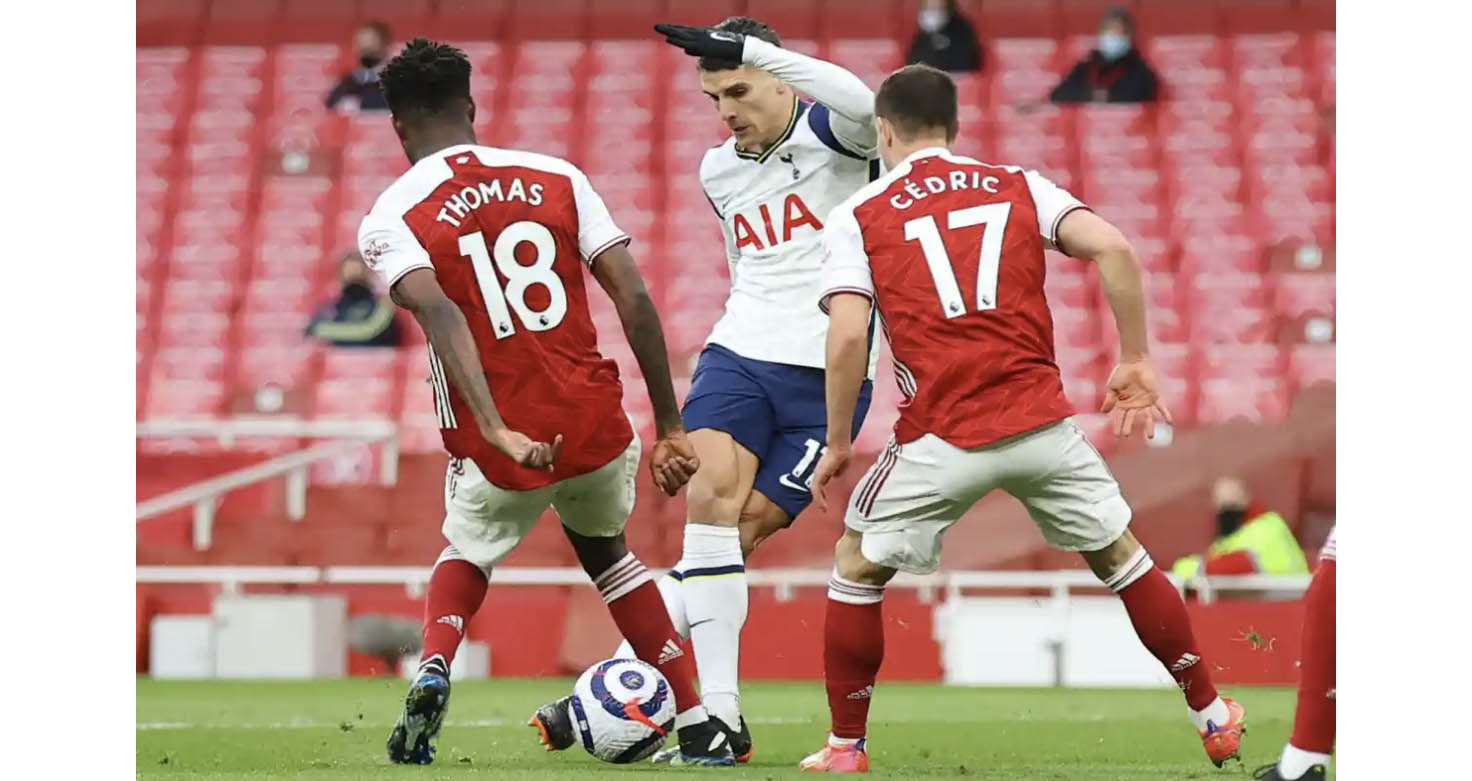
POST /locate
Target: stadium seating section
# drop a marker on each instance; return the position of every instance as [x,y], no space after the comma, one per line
[248,189]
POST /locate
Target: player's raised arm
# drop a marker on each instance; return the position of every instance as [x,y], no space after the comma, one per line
[1131,388]
[444,326]
[849,99]
[673,461]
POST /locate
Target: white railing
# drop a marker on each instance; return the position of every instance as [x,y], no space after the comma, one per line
[1062,583]
[204,496]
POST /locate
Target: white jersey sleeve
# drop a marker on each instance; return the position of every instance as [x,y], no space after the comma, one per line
[1052,202]
[389,248]
[596,229]
[845,263]
[846,95]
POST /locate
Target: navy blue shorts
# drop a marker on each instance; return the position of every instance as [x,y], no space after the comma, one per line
[775,410]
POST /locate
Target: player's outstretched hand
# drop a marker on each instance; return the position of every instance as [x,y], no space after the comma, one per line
[1131,396]
[673,462]
[527,451]
[834,463]
[703,41]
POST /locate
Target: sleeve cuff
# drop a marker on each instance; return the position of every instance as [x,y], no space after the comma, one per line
[823,299]
[393,280]
[622,238]
[1053,229]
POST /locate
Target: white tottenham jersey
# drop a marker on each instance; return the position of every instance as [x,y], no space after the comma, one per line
[772,207]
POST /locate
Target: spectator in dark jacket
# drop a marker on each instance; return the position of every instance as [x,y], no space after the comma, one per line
[945,40]
[359,90]
[1112,73]
[359,317]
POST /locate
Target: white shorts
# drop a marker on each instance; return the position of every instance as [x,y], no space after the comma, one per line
[484,522]
[915,491]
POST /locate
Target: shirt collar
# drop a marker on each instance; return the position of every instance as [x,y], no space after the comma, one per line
[929,151]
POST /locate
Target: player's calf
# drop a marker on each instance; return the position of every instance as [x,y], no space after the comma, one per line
[853,649]
[1159,617]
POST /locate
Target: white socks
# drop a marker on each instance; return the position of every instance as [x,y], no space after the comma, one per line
[1296,761]
[1215,712]
[713,584]
[674,602]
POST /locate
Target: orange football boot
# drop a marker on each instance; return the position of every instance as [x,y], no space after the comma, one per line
[835,759]
[1224,741]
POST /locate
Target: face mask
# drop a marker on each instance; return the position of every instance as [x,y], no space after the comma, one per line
[1112,46]
[931,20]
[1229,519]
[369,60]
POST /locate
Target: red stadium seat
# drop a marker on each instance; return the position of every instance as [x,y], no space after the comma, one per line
[1233,361]
[287,366]
[549,19]
[1311,364]
[184,399]
[193,329]
[361,363]
[1221,253]
[866,19]
[354,398]
[1067,285]
[169,21]
[1258,401]
[1018,18]
[317,20]
[189,364]
[199,295]
[703,13]
[792,19]
[1301,294]
[1075,326]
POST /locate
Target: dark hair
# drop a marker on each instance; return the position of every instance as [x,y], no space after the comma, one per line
[745,25]
[427,77]
[1118,13]
[916,99]
[380,29]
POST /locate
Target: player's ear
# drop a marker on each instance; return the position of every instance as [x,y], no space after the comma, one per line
[470,109]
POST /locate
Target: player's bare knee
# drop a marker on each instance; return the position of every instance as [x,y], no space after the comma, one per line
[759,520]
[1107,561]
[850,563]
[597,554]
[715,497]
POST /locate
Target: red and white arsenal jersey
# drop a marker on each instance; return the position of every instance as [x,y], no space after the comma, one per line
[951,252]
[507,233]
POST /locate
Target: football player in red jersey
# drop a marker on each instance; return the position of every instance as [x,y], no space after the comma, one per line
[1307,753]
[950,252]
[486,248]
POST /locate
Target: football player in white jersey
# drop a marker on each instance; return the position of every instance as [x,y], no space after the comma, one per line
[755,412]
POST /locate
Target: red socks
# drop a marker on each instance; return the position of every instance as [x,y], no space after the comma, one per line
[456,589]
[853,648]
[639,611]
[1160,620]
[1313,722]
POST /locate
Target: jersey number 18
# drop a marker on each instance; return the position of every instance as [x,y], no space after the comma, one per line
[518,277]
[994,217]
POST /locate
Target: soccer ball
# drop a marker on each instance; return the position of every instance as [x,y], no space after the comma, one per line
[622,709]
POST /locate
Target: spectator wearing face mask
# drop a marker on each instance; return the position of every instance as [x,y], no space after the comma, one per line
[1248,539]
[359,90]
[1114,72]
[360,317]
[945,39]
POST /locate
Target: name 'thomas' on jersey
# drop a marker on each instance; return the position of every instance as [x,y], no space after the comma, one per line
[772,207]
[951,252]
[507,234]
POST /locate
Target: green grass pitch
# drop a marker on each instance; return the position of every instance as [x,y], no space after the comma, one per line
[336,730]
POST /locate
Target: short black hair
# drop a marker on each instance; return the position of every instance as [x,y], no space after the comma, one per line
[1118,13]
[745,25]
[427,77]
[916,99]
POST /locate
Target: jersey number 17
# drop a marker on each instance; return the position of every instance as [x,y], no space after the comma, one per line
[994,217]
